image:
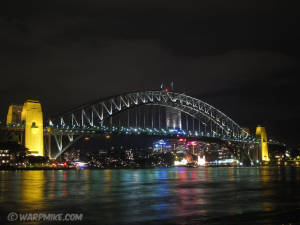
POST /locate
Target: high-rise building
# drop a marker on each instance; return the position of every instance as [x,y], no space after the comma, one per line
[173,118]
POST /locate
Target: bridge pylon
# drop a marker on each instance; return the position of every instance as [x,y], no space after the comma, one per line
[263,145]
[34,131]
[32,116]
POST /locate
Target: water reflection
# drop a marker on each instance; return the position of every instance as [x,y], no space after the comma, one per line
[32,190]
[173,195]
[65,191]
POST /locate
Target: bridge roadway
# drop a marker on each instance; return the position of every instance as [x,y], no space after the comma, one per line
[105,130]
[76,133]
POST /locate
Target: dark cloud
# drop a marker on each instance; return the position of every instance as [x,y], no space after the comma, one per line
[230,53]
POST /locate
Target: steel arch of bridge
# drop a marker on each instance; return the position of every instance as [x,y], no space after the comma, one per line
[93,114]
[89,118]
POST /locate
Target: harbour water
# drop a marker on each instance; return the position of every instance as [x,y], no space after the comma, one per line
[176,195]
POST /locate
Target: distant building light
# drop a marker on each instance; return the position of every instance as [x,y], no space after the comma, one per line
[201,161]
[183,162]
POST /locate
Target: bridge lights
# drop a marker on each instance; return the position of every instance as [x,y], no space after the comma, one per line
[192,143]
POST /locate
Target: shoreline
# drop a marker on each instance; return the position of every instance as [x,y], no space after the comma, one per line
[93,168]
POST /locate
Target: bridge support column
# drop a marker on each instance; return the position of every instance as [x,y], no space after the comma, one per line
[263,146]
[58,139]
[48,137]
[34,131]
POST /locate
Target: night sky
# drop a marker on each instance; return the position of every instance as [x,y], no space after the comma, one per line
[239,56]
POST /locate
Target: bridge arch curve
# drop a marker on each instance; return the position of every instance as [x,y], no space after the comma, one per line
[95,113]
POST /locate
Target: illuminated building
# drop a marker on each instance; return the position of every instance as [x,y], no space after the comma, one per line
[182,162]
[161,145]
[173,118]
[129,154]
[192,146]
[263,146]
[5,157]
[72,156]
[201,161]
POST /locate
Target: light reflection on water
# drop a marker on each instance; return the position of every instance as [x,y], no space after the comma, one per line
[157,196]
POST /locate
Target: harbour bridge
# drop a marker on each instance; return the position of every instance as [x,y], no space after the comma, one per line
[160,113]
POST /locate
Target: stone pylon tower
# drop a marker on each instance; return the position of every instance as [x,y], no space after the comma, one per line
[32,116]
[34,131]
[263,146]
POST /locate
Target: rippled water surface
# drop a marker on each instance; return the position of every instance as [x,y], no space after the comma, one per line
[157,196]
